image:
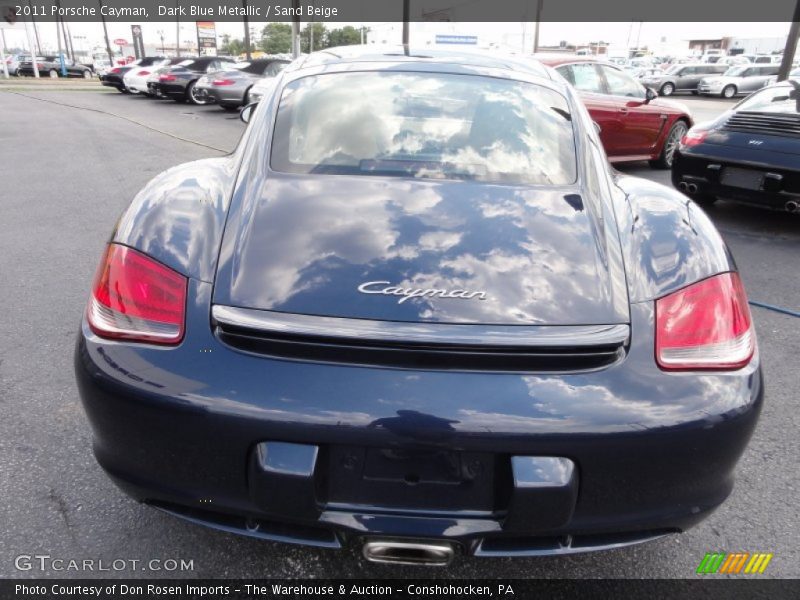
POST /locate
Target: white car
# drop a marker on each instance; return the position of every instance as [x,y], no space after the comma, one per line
[135,80]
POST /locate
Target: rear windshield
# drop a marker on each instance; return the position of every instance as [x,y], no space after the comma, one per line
[783,99]
[425,125]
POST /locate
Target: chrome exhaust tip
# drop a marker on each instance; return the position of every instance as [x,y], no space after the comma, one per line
[432,554]
[682,186]
[791,206]
[692,187]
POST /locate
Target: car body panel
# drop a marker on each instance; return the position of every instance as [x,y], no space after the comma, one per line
[180,427]
[630,128]
[763,145]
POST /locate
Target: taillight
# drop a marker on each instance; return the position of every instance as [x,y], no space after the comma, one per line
[136,298]
[116,70]
[167,77]
[40,66]
[706,325]
[141,73]
[223,82]
[693,137]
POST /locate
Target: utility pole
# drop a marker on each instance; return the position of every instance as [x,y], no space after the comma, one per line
[35,30]
[33,54]
[791,45]
[295,29]
[105,34]
[178,33]
[246,22]
[406,17]
[536,31]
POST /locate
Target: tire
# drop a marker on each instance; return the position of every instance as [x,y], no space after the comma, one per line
[695,92]
[124,90]
[192,97]
[729,91]
[87,74]
[53,74]
[676,132]
[667,89]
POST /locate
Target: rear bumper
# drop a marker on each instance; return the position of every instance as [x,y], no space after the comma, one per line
[781,182]
[180,429]
[222,95]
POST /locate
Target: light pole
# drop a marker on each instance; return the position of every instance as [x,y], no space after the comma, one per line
[161,35]
[105,34]
[791,45]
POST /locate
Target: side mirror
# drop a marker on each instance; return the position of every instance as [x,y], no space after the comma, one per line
[597,126]
[649,95]
[247,112]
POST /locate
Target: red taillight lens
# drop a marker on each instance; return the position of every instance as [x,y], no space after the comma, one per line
[706,325]
[167,77]
[141,73]
[223,82]
[116,70]
[136,298]
[40,66]
[693,138]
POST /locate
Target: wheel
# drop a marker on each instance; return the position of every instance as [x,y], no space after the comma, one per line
[192,96]
[676,132]
[729,91]
[667,89]
[229,107]
[695,92]
[87,74]
[53,74]
[124,90]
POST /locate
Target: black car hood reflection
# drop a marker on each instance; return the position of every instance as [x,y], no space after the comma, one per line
[305,243]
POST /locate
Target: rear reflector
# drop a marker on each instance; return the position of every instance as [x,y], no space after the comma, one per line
[706,325]
[136,298]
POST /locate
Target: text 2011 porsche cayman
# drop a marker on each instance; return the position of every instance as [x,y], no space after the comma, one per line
[416,310]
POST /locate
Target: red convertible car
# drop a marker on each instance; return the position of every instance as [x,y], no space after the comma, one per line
[634,123]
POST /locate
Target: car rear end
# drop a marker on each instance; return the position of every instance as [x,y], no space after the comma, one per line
[226,88]
[421,356]
[752,154]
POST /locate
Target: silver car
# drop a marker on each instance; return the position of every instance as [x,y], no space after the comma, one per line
[231,88]
[682,78]
[738,81]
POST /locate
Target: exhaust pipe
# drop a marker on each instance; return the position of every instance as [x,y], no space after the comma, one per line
[434,554]
[682,186]
[791,206]
[692,187]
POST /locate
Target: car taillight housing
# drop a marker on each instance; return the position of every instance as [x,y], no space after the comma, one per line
[137,298]
[705,326]
[167,77]
[223,82]
[694,137]
[142,73]
[116,70]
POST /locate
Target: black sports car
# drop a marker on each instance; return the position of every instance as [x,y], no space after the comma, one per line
[114,77]
[50,66]
[417,311]
[179,82]
[751,153]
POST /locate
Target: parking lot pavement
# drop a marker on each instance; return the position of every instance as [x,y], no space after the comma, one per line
[67,175]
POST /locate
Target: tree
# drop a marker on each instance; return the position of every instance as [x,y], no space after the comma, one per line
[320,37]
[232,47]
[276,38]
[346,36]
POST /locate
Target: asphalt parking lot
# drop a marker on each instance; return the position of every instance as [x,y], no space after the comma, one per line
[71,162]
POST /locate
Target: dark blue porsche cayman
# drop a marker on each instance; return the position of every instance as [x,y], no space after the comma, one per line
[417,311]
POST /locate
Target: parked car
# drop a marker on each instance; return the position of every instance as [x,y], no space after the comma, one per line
[634,123]
[751,153]
[50,66]
[418,311]
[795,74]
[231,88]
[682,78]
[135,79]
[262,87]
[179,82]
[151,89]
[13,62]
[737,81]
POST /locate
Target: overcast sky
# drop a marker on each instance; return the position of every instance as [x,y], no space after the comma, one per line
[509,36]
